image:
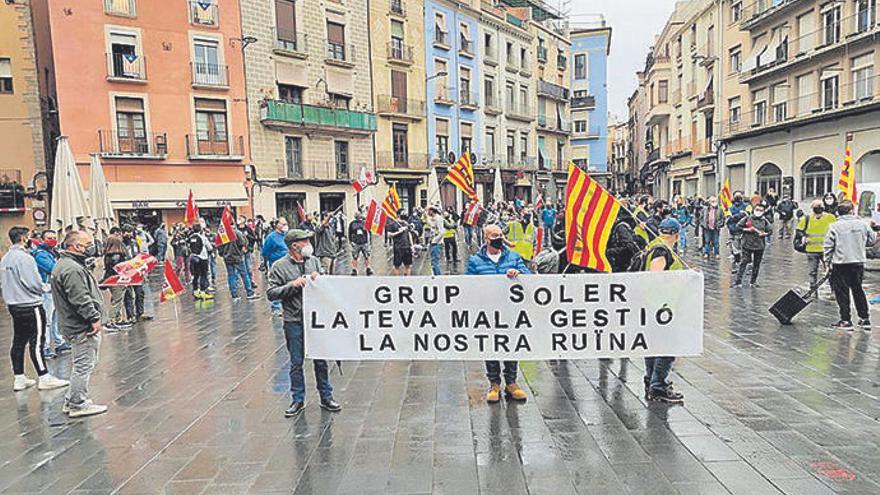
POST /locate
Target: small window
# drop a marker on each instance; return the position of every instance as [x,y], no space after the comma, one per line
[5,76]
[866,204]
[290,94]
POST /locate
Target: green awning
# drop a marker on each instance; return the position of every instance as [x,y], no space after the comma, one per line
[542,152]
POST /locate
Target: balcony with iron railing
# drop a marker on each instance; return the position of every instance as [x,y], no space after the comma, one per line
[653,156]
[401,160]
[124,8]
[852,97]
[329,120]
[397,7]
[323,170]
[806,46]
[12,192]
[492,104]
[340,54]
[490,55]
[582,102]
[658,62]
[397,107]
[210,76]
[291,43]
[542,54]
[122,67]
[441,39]
[706,99]
[678,147]
[703,147]
[204,13]
[551,90]
[444,95]
[399,53]
[561,61]
[512,65]
[465,47]
[525,69]
[756,12]
[468,100]
[128,144]
[520,111]
[204,147]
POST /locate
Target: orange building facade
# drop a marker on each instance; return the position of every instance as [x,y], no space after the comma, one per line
[156,89]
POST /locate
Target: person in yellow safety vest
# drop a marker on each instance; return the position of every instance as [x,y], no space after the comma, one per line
[660,256]
[521,234]
[641,217]
[814,226]
[449,243]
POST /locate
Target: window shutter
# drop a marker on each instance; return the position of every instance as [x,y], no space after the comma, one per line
[397,29]
[5,67]
[285,16]
[129,105]
[467,129]
[398,84]
[210,105]
[335,33]
[442,127]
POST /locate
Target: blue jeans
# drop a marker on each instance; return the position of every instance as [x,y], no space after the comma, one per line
[249,266]
[212,268]
[468,234]
[234,271]
[657,371]
[711,241]
[293,334]
[51,320]
[276,305]
[435,259]
[683,239]
[493,372]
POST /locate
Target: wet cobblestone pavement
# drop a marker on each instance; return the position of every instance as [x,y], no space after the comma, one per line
[196,398]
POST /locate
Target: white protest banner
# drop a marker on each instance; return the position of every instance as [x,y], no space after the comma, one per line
[532,317]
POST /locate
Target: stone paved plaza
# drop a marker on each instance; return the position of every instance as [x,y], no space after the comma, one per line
[196,398]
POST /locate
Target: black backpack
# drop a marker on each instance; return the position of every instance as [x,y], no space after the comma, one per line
[640,260]
[801,239]
[195,245]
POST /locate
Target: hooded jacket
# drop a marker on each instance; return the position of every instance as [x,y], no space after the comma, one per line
[78,301]
[20,279]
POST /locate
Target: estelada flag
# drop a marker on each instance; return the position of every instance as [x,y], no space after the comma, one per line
[847,181]
[376,219]
[725,197]
[590,212]
[391,205]
[539,203]
[364,180]
[192,211]
[171,286]
[301,211]
[462,175]
[225,232]
[472,213]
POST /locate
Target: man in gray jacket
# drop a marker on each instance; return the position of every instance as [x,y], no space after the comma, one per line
[844,249]
[78,302]
[23,293]
[287,278]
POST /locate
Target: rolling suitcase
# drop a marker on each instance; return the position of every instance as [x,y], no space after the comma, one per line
[792,302]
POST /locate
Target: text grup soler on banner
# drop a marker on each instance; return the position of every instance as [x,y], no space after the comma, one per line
[532,317]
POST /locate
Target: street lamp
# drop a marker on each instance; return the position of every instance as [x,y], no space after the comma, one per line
[442,73]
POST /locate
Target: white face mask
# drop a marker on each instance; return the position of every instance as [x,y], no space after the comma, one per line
[307,251]
[759,214]
[285,228]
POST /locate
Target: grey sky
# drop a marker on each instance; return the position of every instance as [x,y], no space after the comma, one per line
[634,23]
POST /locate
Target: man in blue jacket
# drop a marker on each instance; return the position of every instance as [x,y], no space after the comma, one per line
[495,259]
[273,250]
[46,255]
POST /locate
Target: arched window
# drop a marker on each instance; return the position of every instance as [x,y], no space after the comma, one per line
[769,176]
[816,177]
[868,167]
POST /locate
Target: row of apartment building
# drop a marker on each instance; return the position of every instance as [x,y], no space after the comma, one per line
[264,104]
[765,93]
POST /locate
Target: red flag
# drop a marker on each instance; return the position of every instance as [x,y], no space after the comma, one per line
[142,263]
[364,180]
[376,218]
[302,213]
[171,286]
[539,203]
[539,241]
[472,213]
[135,278]
[225,232]
[192,211]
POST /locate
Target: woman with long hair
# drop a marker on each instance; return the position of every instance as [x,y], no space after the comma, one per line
[115,253]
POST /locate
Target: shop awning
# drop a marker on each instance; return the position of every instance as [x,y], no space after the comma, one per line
[542,152]
[165,195]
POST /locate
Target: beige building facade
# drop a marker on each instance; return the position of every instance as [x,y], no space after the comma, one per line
[310,103]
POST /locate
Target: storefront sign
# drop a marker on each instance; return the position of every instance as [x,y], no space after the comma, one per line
[533,317]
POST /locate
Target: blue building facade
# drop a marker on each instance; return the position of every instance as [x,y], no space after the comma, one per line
[452,45]
[589,101]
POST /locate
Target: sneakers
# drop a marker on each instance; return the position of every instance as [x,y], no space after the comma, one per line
[330,405]
[87,409]
[51,382]
[755,285]
[494,393]
[236,299]
[667,395]
[49,354]
[197,294]
[206,296]
[253,297]
[865,324]
[22,382]
[295,409]
[843,325]
[369,271]
[62,348]
[513,392]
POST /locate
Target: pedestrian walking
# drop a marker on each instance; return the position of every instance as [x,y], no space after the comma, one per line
[494,258]
[359,237]
[845,248]
[250,246]
[326,246]
[435,233]
[160,236]
[659,257]
[114,253]
[786,209]
[811,230]
[548,218]
[273,250]
[287,278]
[200,247]
[755,228]
[683,215]
[738,211]
[713,219]
[46,255]
[236,269]
[79,304]
[401,244]
[22,291]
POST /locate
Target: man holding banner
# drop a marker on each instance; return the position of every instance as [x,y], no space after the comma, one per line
[495,259]
[287,278]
